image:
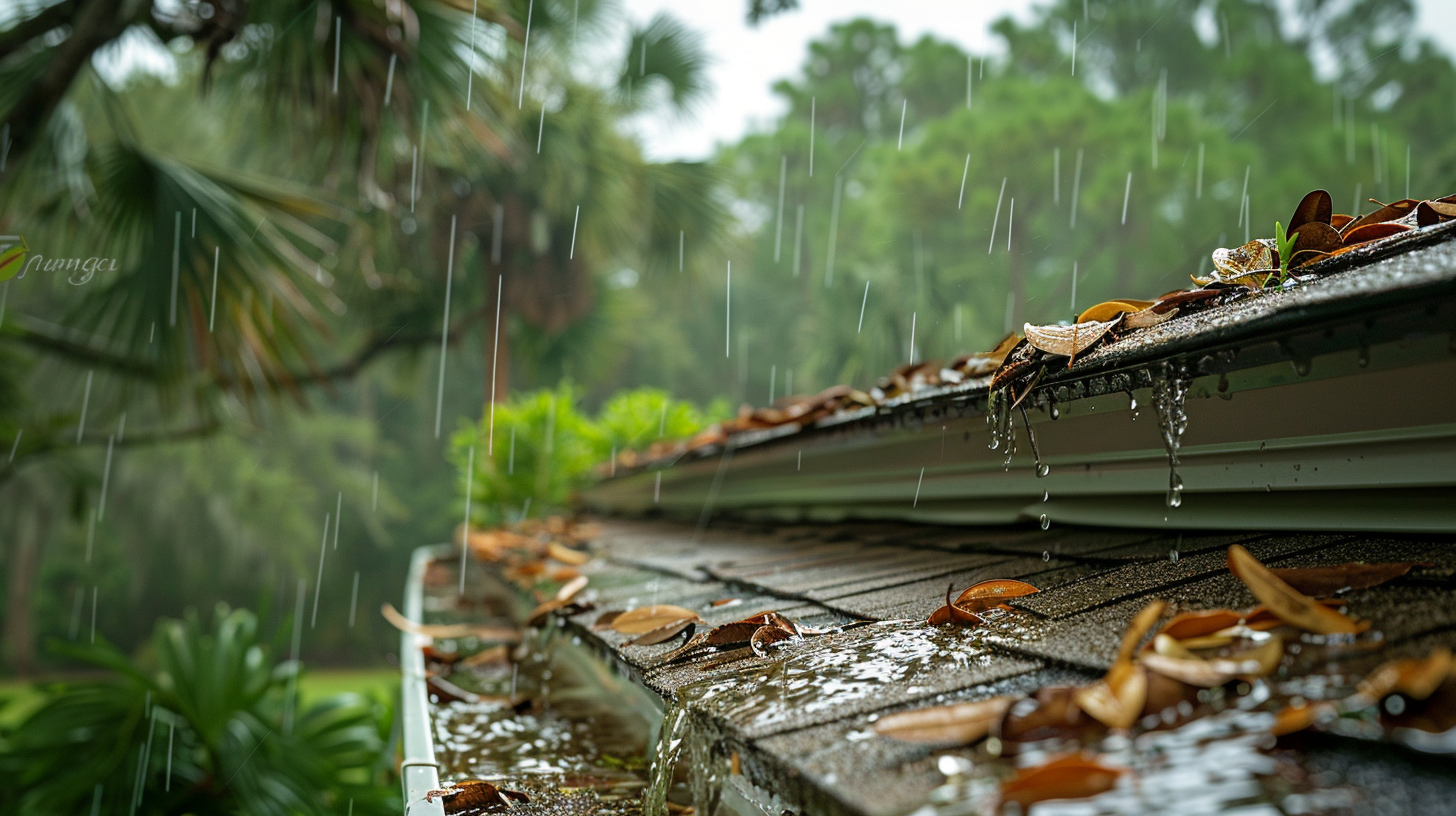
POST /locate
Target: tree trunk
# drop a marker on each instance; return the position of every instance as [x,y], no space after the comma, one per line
[19,615]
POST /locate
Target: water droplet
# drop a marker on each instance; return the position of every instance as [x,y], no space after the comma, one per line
[1054,411]
[1132,402]
[1045,523]
[1045,495]
[1301,366]
[1173,556]
[1175,498]
[1042,469]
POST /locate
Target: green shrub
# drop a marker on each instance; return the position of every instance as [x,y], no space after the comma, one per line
[215,721]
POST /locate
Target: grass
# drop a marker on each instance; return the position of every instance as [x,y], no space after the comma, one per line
[19,698]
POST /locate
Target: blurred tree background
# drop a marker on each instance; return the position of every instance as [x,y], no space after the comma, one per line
[344,170]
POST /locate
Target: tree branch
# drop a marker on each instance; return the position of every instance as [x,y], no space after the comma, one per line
[138,440]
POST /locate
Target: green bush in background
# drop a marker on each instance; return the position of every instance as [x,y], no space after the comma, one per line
[530,453]
[210,724]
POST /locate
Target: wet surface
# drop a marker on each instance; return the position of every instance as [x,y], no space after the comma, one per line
[798,722]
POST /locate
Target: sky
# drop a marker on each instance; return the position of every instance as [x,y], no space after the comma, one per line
[746,61]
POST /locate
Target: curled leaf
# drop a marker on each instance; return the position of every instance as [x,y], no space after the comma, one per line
[1294,718]
[1339,220]
[1188,625]
[767,636]
[950,613]
[1416,678]
[1255,256]
[1316,237]
[644,619]
[1386,214]
[1140,625]
[1434,212]
[1117,699]
[1067,341]
[1052,713]
[1290,605]
[1215,671]
[570,589]
[448,631]
[958,724]
[1070,777]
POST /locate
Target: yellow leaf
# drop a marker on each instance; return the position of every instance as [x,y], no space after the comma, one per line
[958,724]
[1291,606]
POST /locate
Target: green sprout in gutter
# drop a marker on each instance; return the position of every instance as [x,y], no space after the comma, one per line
[1286,249]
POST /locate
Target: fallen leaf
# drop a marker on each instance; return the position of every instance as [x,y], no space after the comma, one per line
[443,691]
[767,636]
[1117,699]
[1187,625]
[439,657]
[1316,237]
[1070,777]
[958,724]
[1434,212]
[1140,625]
[663,633]
[1215,671]
[1322,582]
[726,602]
[1294,718]
[570,589]
[1354,235]
[1067,341]
[644,619]
[1107,310]
[1292,607]
[1315,208]
[1386,214]
[566,555]
[988,594]
[448,631]
[1255,256]
[475,796]
[563,574]
[950,613]
[1416,678]
[1340,220]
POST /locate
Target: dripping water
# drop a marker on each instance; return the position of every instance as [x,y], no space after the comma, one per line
[664,758]
[1041,467]
[1169,394]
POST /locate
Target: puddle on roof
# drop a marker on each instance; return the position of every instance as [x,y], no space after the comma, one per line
[838,672]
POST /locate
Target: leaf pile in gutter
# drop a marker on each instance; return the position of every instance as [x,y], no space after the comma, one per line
[1315,232]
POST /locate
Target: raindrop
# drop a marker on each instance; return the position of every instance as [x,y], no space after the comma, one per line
[1045,495]
[1042,469]
[1173,556]
[1054,411]
[1046,522]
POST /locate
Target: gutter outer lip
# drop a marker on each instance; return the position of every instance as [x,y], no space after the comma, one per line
[419,772]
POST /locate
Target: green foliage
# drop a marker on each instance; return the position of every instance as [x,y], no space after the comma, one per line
[209,725]
[544,448]
[1286,248]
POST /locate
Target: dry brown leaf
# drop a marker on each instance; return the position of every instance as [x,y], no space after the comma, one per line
[767,636]
[644,619]
[1364,233]
[1188,625]
[1315,208]
[1416,678]
[1386,214]
[1110,309]
[1140,625]
[950,613]
[1290,605]
[988,594]
[663,633]
[958,724]
[475,796]
[566,555]
[1316,237]
[448,631]
[1067,341]
[1323,582]
[1291,719]
[1340,220]
[1070,777]
[1215,671]
[1116,700]
[1052,713]
[1434,212]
